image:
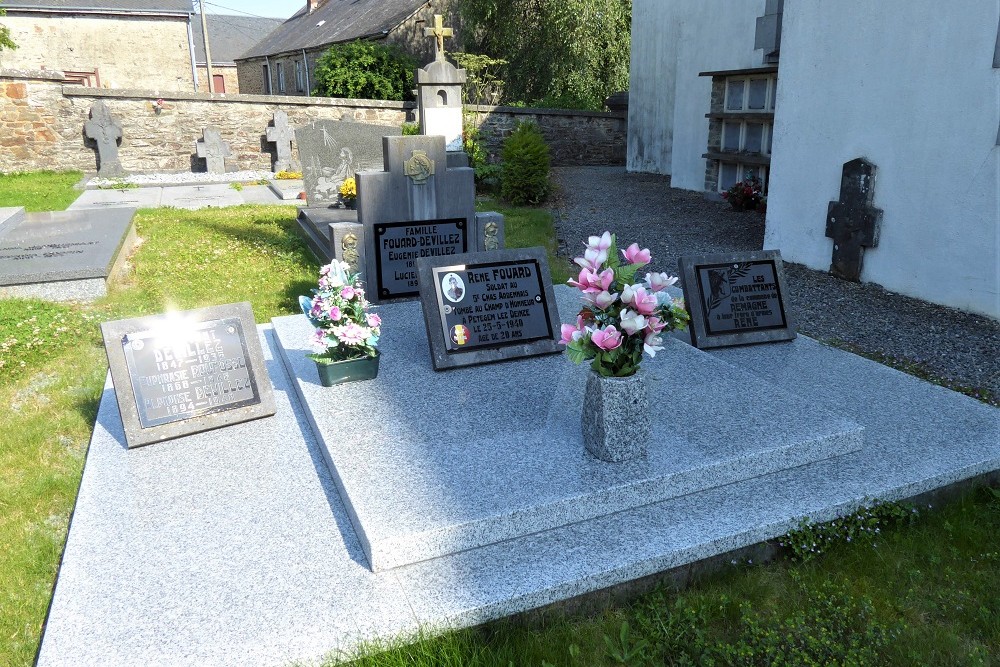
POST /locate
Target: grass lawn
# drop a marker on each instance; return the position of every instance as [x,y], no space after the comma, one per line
[921,591]
[39,191]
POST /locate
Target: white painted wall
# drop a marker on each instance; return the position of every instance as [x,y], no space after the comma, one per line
[909,85]
[672,41]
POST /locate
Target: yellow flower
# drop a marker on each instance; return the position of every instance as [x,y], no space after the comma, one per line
[348,189]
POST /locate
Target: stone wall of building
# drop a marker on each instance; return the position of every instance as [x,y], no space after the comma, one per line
[41,125]
[126,51]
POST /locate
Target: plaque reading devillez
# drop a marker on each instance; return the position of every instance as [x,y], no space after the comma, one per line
[399,245]
[488,307]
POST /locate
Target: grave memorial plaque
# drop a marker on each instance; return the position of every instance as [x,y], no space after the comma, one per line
[399,245]
[485,307]
[187,372]
[736,299]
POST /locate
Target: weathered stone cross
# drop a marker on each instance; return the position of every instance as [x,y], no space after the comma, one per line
[281,136]
[440,32]
[106,131]
[214,150]
[853,223]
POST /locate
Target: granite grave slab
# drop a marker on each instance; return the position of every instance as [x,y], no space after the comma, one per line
[187,372]
[10,217]
[192,197]
[224,547]
[129,198]
[490,453]
[66,255]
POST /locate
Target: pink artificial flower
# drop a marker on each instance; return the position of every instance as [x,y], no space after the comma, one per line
[632,322]
[655,325]
[660,281]
[600,282]
[633,255]
[652,344]
[318,341]
[348,292]
[352,334]
[583,280]
[572,332]
[373,320]
[598,243]
[317,308]
[643,301]
[335,314]
[607,339]
[605,299]
[592,259]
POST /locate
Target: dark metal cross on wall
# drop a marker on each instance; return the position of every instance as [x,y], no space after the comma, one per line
[853,223]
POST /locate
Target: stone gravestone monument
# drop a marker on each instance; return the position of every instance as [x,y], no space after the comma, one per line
[106,131]
[736,298]
[187,372]
[439,95]
[485,307]
[415,208]
[332,151]
[853,223]
[281,136]
[214,150]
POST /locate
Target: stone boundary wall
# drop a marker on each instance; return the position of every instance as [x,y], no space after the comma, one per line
[41,125]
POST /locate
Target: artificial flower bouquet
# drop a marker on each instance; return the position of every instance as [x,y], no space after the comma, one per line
[339,311]
[621,318]
[349,191]
[746,194]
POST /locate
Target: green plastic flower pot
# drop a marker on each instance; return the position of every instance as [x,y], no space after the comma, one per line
[350,370]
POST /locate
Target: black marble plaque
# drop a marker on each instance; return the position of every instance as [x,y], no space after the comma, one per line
[735,299]
[187,372]
[485,307]
[399,245]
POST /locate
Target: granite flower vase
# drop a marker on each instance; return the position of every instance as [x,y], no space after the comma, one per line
[616,418]
[350,370]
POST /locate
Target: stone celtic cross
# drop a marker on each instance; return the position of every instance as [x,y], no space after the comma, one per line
[214,150]
[281,136]
[853,223]
[106,131]
[440,32]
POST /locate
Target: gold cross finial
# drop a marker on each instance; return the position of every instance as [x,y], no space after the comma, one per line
[440,32]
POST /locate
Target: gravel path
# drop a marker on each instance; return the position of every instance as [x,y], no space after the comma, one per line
[948,343]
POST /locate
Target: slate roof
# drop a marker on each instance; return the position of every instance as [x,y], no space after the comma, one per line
[229,35]
[156,6]
[342,21]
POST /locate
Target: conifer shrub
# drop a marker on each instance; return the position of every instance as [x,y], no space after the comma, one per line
[524,171]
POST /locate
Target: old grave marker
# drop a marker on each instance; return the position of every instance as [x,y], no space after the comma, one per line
[214,150]
[736,299]
[106,131]
[281,135]
[853,222]
[187,372]
[485,307]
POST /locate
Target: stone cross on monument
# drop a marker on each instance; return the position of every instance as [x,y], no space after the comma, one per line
[853,223]
[281,136]
[440,32]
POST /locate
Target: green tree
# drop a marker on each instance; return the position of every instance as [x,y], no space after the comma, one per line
[571,53]
[5,41]
[365,70]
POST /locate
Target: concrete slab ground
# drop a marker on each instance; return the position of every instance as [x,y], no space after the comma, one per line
[182,196]
[234,547]
[134,198]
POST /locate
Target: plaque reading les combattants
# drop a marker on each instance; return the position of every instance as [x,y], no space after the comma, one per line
[399,245]
[736,299]
[186,372]
[485,307]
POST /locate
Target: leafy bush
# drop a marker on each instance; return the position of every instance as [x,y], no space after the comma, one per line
[410,129]
[524,171]
[365,70]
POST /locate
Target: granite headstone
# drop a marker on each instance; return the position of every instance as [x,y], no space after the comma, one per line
[332,151]
[485,307]
[736,299]
[187,372]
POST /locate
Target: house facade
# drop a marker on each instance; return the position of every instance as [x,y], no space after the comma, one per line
[104,43]
[229,36]
[792,91]
[285,61]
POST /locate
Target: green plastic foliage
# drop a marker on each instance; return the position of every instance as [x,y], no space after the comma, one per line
[524,171]
[566,53]
[365,70]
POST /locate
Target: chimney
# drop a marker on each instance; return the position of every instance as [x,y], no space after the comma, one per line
[313,5]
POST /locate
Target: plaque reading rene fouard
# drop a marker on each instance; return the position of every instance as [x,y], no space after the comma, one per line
[187,372]
[399,245]
[486,307]
[736,299]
